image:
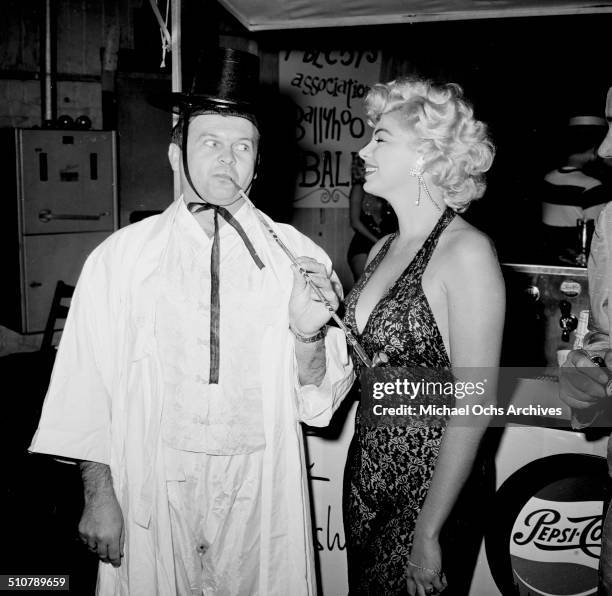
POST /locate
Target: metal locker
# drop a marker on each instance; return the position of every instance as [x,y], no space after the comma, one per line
[67,181]
[61,202]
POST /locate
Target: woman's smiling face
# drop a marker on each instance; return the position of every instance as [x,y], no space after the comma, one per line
[389,156]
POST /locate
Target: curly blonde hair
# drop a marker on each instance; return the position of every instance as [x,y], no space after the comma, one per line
[454,146]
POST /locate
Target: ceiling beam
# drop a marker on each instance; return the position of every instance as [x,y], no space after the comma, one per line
[272,24]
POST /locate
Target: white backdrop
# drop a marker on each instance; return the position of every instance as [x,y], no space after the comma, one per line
[326,467]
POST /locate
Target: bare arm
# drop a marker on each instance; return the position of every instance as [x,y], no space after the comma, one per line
[355,200]
[101,525]
[311,362]
[476,305]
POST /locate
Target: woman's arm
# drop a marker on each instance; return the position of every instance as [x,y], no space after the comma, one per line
[475,296]
[356,199]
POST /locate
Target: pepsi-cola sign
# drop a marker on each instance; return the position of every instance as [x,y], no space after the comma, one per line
[548,540]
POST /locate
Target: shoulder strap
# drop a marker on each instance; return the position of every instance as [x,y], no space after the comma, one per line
[422,257]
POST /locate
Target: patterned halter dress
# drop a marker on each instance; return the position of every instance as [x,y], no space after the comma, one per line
[389,468]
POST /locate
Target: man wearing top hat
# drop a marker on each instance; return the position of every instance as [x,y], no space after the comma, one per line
[191,353]
[585,378]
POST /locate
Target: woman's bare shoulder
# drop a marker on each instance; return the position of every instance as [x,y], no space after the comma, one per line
[464,249]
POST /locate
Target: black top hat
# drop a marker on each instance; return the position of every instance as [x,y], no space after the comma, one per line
[225,79]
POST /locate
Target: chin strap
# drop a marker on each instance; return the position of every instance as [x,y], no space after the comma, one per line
[215,257]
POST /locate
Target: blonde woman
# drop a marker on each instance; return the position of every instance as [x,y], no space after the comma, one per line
[431,296]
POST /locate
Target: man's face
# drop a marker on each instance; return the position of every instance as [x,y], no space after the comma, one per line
[605,149]
[219,149]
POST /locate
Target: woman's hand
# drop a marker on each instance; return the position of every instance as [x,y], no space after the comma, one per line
[424,568]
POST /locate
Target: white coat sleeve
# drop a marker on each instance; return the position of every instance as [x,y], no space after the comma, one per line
[598,337]
[76,416]
[317,404]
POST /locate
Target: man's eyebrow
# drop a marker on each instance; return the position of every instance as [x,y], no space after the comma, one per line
[216,135]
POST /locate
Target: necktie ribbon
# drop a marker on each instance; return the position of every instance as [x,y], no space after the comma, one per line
[215,261]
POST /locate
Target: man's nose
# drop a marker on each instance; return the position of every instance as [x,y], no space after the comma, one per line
[226,156]
[605,149]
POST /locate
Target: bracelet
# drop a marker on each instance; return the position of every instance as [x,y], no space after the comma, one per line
[427,569]
[307,339]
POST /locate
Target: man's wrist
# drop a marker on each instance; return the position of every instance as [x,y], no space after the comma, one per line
[310,338]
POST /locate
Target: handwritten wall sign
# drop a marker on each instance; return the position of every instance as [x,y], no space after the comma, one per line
[328,89]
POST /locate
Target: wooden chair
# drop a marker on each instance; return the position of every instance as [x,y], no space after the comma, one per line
[58,310]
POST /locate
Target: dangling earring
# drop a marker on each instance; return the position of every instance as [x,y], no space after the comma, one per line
[418,199]
[422,183]
[417,171]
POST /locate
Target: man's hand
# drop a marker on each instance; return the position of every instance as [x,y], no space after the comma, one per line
[582,383]
[101,526]
[307,313]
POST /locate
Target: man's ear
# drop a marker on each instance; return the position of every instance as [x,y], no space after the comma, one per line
[174,157]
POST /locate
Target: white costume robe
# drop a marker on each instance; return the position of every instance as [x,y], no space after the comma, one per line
[105,400]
